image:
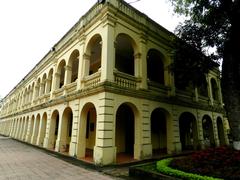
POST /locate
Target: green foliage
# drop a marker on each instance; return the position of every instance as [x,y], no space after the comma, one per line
[207,26]
[163,167]
[215,24]
[190,66]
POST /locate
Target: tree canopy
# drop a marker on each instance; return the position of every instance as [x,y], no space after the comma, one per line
[215,24]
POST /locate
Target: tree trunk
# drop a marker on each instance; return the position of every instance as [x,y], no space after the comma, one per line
[231,76]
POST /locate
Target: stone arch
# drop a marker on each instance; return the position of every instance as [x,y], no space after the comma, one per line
[35,129]
[31,125]
[126,130]
[160,130]
[188,131]
[214,89]
[66,130]
[44,84]
[29,94]
[32,90]
[73,63]
[25,96]
[220,129]
[37,88]
[42,129]
[94,51]
[155,66]
[19,128]
[53,129]
[87,131]
[60,75]
[25,128]
[49,81]
[208,134]
[125,49]
[22,128]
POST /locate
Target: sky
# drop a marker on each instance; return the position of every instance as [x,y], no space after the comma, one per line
[29,28]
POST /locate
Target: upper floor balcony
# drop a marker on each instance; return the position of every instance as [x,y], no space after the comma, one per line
[110,52]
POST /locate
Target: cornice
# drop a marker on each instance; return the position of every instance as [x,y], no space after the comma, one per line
[115,89]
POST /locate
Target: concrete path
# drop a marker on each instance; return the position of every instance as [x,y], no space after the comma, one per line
[22,162]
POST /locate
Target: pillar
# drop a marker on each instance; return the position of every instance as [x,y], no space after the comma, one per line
[210,90]
[56,81]
[35,130]
[41,132]
[105,149]
[68,75]
[75,125]
[61,138]
[47,143]
[200,131]
[175,146]
[48,85]
[215,130]
[81,62]
[141,62]
[146,144]
[108,50]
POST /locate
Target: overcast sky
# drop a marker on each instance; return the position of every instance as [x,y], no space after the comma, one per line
[30,28]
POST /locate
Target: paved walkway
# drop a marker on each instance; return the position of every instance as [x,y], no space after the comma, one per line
[23,162]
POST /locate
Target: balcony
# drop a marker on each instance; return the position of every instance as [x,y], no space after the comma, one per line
[92,80]
[125,80]
[70,88]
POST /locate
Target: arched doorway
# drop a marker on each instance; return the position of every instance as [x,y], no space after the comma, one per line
[25,129]
[125,132]
[30,129]
[220,129]
[159,131]
[66,130]
[188,131]
[87,132]
[35,130]
[20,129]
[208,135]
[53,130]
[42,130]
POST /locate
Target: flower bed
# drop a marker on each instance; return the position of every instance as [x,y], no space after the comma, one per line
[222,162]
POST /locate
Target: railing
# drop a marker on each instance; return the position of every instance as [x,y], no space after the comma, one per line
[125,80]
[58,93]
[92,80]
[160,88]
[71,87]
[203,99]
[185,95]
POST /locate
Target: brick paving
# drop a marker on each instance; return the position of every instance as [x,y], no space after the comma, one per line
[22,162]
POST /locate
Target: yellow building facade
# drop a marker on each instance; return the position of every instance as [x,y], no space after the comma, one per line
[106,91]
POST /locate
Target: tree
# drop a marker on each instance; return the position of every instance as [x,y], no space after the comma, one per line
[215,23]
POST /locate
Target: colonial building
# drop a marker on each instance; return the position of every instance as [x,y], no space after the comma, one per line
[106,92]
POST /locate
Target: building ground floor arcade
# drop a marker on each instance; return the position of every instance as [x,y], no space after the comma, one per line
[105,126]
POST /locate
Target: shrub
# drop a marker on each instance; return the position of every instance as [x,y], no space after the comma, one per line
[163,167]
